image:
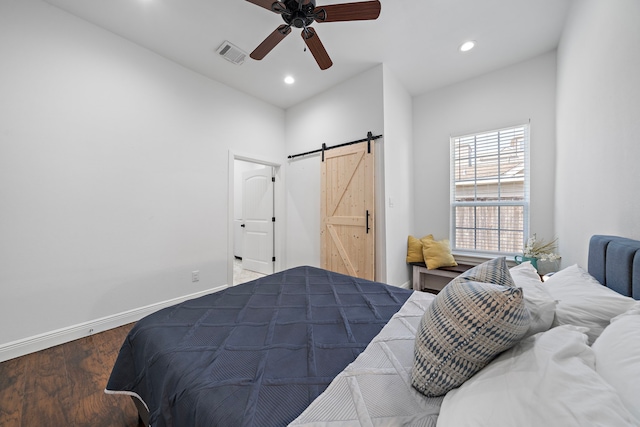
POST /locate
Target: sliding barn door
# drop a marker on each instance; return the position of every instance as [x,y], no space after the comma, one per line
[347,211]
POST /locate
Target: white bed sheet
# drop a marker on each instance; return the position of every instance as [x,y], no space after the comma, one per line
[375,390]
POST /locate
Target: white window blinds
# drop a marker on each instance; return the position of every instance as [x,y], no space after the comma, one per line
[490,190]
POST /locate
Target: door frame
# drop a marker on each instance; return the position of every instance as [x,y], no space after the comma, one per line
[278,207]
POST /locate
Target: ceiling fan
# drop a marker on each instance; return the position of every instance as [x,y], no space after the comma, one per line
[302,13]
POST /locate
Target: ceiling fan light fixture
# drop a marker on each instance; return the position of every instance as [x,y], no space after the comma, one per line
[289,80]
[467,46]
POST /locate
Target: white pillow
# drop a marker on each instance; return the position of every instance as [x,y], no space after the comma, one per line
[525,271]
[545,380]
[617,352]
[542,308]
[583,301]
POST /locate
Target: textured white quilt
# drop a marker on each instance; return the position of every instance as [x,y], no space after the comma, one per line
[375,390]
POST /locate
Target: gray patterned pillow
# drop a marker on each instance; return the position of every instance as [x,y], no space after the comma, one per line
[493,271]
[466,326]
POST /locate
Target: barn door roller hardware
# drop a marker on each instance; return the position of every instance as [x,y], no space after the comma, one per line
[370,137]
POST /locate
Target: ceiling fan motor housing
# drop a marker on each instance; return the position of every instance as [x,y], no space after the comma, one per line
[299,15]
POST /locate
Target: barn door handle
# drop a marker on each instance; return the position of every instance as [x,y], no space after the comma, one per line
[368,222]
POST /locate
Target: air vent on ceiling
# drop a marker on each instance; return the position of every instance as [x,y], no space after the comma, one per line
[231,53]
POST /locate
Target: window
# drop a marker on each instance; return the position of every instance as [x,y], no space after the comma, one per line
[490,191]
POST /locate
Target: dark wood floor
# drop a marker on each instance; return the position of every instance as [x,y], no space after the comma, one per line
[64,386]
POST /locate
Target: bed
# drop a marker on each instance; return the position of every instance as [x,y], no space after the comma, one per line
[308,347]
[253,354]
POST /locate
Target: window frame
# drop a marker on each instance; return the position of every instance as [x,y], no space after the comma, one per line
[453,204]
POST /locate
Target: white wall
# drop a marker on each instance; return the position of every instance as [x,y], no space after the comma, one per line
[344,113]
[372,101]
[510,96]
[398,202]
[598,146]
[113,172]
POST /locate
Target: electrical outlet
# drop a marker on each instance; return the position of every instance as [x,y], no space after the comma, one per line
[195,276]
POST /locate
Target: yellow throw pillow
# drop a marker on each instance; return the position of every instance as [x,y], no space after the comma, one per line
[414,249]
[437,253]
[428,237]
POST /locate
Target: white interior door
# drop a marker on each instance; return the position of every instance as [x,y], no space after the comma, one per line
[257,212]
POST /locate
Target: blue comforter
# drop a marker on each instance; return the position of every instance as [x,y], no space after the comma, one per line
[256,354]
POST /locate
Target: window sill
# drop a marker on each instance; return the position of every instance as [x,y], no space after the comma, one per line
[476,258]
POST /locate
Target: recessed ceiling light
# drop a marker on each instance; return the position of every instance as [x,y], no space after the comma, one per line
[289,80]
[467,46]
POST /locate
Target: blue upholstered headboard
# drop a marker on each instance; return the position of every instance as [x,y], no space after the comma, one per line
[615,262]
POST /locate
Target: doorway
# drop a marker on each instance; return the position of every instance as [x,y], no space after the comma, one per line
[254,206]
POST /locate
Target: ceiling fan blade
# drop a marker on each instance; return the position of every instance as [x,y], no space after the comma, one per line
[359,11]
[270,42]
[316,47]
[268,4]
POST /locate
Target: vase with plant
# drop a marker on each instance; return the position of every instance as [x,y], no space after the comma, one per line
[537,250]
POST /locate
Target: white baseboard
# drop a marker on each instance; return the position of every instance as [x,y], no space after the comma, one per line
[46,340]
